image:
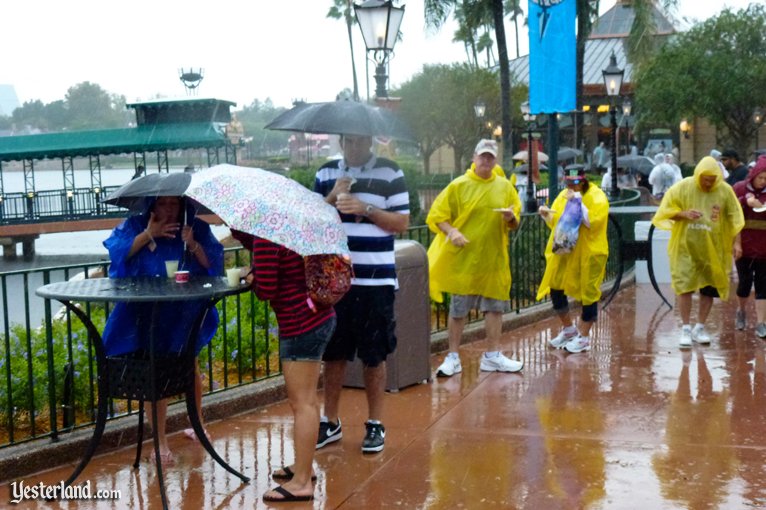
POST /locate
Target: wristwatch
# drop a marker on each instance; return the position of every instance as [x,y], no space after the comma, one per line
[368,210]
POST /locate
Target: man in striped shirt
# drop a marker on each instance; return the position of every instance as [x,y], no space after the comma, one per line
[371,197]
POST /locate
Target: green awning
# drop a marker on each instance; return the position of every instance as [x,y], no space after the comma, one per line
[148,138]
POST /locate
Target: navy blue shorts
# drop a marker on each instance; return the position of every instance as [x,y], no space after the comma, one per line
[366,326]
[308,346]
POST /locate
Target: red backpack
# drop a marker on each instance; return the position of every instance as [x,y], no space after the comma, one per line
[328,278]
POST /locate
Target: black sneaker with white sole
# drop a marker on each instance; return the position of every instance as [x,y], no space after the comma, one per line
[375,439]
[328,433]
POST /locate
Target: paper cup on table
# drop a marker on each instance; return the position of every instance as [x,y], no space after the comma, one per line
[233,276]
[182,276]
[171,266]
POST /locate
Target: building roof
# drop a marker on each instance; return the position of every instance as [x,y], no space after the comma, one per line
[148,138]
[608,36]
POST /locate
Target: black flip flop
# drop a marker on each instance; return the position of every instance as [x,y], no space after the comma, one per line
[288,474]
[287,496]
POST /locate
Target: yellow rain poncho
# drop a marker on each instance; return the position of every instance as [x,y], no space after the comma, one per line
[579,273]
[498,170]
[481,267]
[700,250]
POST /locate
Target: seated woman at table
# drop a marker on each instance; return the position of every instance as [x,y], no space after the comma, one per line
[139,246]
[278,275]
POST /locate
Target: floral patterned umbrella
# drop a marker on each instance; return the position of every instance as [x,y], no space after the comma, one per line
[270,206]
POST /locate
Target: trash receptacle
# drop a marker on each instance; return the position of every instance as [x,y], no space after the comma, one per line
[410,363]
[660,258]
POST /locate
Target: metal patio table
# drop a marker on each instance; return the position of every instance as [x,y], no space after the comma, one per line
[142,378]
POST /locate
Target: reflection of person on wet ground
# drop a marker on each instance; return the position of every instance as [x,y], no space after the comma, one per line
[704,217]
[469,258]
[696,464]
[371,196]
[574,468]
[279,276]
[579,273]
[751,266]
[139,246]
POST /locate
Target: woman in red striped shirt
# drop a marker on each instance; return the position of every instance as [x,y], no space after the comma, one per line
[278,275]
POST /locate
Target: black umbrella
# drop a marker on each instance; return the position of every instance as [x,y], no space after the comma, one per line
[640,164]
[134,194]
[524,167]
[565,153]
[341,118]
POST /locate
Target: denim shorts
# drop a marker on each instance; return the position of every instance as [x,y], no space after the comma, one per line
[308,346]
[460,305]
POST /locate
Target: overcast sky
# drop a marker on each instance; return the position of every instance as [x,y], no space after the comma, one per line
[249,49]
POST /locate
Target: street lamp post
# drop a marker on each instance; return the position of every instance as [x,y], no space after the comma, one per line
[380,22]
[529,118]
[757,120]
[613,82]
[479,109]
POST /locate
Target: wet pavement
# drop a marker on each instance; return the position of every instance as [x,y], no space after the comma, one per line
[634,423]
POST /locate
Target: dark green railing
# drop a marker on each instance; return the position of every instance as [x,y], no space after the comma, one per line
[56,205]
[47,360]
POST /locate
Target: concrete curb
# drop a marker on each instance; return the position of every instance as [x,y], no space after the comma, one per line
[34,456]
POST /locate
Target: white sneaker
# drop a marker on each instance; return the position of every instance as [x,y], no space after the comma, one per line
[686,337]
[578,344]
[499,363]
[699,334]
[449,367]
[564,336]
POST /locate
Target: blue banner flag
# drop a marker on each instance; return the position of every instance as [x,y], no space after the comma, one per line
[552,56]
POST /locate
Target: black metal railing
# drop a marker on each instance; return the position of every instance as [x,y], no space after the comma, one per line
[47,360]
[56,205]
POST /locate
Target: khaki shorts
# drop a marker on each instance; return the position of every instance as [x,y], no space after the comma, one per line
[460,305]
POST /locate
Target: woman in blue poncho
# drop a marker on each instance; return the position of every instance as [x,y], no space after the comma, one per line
[139,246]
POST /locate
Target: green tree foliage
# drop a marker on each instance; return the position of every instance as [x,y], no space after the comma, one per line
[254,117]
[438,104]
[715,71]
[91,107]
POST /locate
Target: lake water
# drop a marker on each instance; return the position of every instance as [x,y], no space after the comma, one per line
[56,249]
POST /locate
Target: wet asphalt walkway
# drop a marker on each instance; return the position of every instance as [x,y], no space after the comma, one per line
[634,424]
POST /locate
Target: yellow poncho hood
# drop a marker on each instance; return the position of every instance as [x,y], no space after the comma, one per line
[579,273]
[482,267]
[700,250]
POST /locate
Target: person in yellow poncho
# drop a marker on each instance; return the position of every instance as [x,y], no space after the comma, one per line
[704,217]
[579,273]
[469,256]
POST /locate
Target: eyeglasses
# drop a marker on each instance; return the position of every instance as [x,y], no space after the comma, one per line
[573,181]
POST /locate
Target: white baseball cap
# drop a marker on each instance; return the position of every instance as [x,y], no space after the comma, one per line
[486,146]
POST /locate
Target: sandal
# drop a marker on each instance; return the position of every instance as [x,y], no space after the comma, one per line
[166,458]
[286,496]
[190,434]
[287,474]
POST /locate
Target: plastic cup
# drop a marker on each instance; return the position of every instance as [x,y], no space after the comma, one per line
[171,266]
[233,276]
[182,276]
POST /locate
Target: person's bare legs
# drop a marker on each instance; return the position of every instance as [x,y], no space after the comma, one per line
[159,427]
[334,373]
[565,318]
[685,307]
[375,388]
[706,303]
[455,327]
[493,328]
[301,379]
[760,310]
[584,327]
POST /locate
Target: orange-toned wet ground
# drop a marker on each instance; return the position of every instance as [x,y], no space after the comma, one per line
[634,424]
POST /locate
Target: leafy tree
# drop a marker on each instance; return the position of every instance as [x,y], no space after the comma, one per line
[91,107]
[253,118]
[713,71]
[438,105]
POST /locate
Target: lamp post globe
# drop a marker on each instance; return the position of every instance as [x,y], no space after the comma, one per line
[379,21]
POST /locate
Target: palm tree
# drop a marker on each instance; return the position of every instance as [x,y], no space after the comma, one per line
[345,9]
[436,13]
